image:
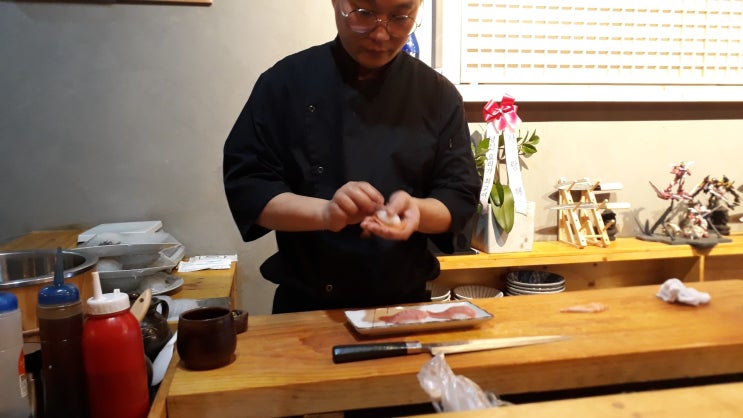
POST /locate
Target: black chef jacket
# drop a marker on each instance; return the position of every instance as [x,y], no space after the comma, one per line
[309,127]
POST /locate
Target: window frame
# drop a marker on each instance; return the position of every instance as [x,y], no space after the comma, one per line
[446,21]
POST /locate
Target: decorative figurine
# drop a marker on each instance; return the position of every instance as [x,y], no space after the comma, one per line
[718,202]
[693,227]
[679,172]
[694,223]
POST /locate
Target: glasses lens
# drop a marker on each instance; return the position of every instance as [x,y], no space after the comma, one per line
[362,20]
[400,26]
[365,21]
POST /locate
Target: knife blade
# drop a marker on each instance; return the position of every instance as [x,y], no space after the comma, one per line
[358,352]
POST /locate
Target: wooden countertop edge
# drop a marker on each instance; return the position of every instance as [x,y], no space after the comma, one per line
[720,400]
[159,407]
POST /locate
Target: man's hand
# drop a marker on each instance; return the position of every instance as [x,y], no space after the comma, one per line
[351,204]
[398,220]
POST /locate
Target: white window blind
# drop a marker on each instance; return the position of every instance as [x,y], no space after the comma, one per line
[639,50]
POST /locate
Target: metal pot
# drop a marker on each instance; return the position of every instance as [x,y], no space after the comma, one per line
[24,273]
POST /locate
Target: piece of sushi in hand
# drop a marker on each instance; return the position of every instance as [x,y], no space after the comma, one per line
[387,219]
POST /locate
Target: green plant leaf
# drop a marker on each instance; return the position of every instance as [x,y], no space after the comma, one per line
[528,149]
[502,205]
[534,140]
[496,193]
[482,147]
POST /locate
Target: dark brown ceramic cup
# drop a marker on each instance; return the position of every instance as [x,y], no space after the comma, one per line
[206,338]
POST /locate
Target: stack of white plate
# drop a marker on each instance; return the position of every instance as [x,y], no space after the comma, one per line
[533,282]
[439,293]
[471,291]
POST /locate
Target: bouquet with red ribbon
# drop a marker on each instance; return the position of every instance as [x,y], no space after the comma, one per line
[502,118]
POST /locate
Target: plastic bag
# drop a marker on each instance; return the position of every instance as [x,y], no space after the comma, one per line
[450,392]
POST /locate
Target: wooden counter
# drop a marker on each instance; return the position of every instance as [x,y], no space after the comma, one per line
[283,363]
[719,401]
[40,240]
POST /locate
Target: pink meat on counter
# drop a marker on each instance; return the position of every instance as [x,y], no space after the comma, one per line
[405,316]
[454,312]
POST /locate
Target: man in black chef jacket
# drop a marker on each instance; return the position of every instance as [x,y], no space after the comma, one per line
[333,134]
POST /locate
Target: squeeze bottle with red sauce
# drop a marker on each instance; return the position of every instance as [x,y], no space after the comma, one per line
[60,315]
[113,353]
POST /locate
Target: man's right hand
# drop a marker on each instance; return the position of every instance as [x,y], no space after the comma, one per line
[351,203]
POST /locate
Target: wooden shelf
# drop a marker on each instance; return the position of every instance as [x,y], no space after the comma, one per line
[725,248]
[626,262]
[555,252]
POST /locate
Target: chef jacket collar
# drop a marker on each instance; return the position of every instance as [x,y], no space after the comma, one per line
[349,68]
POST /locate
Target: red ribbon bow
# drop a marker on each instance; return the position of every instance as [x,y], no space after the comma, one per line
[502,116]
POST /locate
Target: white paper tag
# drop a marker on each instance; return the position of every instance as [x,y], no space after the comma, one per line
[491,160]
[514,172]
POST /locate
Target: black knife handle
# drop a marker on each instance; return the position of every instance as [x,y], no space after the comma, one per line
[358,352]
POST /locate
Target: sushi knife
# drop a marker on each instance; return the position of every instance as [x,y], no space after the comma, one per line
[358,352]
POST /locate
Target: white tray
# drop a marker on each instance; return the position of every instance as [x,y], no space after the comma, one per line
[111,244]
[140,265]
[368,321]
[142,227]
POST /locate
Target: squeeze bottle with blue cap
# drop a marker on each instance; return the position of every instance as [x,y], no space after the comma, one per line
[60,315]
[14,401]
[113,350]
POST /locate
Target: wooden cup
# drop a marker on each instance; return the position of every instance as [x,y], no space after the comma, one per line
[206,338]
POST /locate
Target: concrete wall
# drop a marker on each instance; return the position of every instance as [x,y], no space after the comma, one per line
[118,112]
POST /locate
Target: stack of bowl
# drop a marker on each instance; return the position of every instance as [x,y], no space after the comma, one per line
[439,293]
[472,291]
[533,282]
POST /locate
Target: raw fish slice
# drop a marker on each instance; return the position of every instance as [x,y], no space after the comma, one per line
[405,316]
[455,312]
[591,307]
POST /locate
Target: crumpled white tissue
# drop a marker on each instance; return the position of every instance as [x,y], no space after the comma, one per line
[674,290]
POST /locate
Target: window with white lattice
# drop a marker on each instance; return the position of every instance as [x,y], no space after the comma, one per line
[629,50]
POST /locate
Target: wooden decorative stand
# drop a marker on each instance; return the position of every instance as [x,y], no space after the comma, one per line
[580,222]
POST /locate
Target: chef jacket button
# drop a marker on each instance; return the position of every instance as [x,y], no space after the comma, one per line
[319,170]
[311,108]
[328,288]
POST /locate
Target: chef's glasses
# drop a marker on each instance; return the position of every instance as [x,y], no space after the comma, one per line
[364,21]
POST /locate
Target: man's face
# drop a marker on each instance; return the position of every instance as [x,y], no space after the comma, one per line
[376,48]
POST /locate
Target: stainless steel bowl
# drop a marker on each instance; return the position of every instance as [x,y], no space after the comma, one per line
[34,267]
[25,273]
